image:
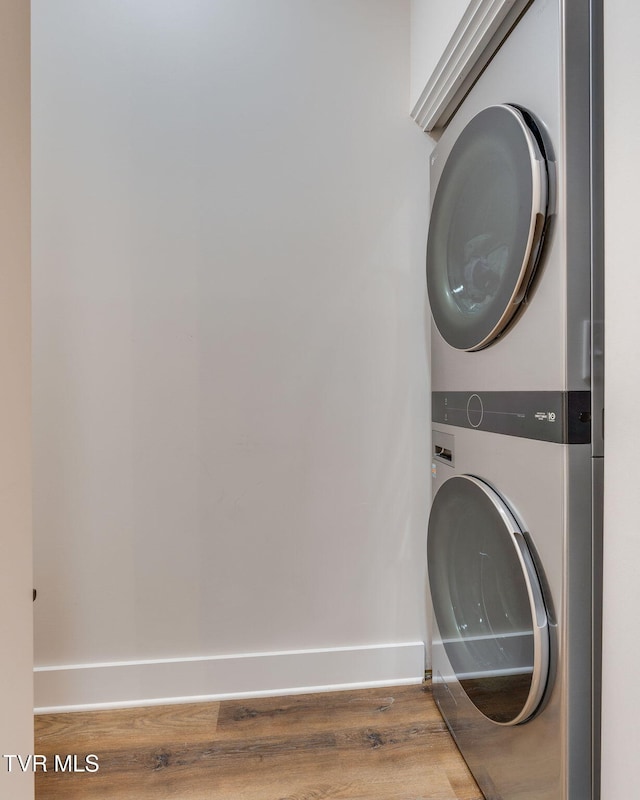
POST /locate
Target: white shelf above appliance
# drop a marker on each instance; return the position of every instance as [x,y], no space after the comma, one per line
[482,29]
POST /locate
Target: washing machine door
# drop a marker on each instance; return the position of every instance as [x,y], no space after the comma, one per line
[487,226]
[487,601]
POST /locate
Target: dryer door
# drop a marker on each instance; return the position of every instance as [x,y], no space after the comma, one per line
[487,224]
[487,601]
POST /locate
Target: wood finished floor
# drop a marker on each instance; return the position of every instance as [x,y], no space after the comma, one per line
[373,744]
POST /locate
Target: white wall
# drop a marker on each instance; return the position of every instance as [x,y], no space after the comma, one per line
[229,205]
[16,582]
[621,693]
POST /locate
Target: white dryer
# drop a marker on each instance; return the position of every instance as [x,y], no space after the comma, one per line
[509,254]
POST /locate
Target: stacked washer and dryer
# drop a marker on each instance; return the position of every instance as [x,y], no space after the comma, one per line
[514,283]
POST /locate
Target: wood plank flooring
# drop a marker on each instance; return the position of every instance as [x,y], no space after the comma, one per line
[373,744]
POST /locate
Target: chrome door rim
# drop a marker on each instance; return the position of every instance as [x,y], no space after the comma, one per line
[537,608]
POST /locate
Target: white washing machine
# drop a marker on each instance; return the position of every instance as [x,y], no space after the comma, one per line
[510,573]
[515,289]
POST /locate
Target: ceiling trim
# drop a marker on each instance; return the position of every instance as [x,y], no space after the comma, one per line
[481,31]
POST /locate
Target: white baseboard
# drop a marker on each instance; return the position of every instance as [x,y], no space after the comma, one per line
[83,687]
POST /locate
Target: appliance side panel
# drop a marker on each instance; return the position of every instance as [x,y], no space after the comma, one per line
[576,164]
[597,228]
[578,617]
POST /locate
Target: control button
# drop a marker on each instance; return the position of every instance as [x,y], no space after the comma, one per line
[475,411]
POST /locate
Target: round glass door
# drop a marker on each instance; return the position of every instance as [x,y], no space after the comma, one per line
[487,600]
[487,225]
